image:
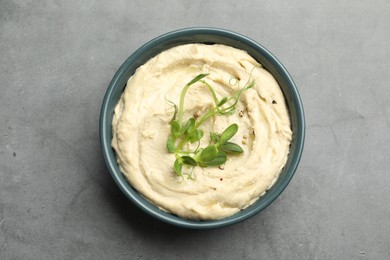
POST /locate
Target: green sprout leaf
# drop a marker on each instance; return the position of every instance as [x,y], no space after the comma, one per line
[229,147]
[175,129]
[208,154]
[197,78]
[196,135]
[228,133]
[214,137]
[189,125]
[222,101]
[189,160]
[170,145]
[218,160]
[177,166]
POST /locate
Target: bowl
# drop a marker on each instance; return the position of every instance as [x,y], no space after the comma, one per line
[207,36]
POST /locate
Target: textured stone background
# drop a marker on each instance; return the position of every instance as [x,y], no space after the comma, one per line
[57,200]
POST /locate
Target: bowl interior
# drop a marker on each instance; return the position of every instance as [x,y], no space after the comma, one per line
[207,36]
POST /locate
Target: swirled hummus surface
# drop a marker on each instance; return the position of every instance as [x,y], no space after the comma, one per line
[141,127]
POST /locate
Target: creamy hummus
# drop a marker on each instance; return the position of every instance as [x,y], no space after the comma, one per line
[141,128]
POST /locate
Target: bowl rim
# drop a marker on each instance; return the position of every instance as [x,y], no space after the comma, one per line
[150,208]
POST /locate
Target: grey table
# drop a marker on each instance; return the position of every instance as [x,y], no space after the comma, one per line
[57,200]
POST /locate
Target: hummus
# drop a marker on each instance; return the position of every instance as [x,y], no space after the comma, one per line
[141,128]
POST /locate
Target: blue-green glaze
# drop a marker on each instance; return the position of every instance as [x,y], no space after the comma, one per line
[208,36]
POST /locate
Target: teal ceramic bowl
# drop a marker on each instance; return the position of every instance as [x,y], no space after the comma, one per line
[208,36]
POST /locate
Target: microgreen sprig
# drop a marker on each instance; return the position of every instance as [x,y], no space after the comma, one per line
[184,132]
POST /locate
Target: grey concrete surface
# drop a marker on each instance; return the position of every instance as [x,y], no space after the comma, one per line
[57,200]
